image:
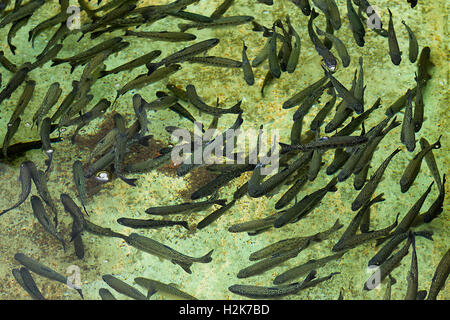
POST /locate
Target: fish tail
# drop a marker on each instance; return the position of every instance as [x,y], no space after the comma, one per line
[206,258]
[236,108]
[185,225]
[285,148]
[185,265]
[152,67]
[221,202]
[331,186]
[183,27]
[103,73]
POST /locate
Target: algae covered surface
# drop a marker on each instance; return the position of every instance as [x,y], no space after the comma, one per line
[21,232]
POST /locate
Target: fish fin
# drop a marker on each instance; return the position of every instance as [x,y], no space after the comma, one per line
[206,258]
[236,108]
[185,225]
[186,266]
[144,140]
[151,67]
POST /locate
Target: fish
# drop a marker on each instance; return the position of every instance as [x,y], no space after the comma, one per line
[24,100]
[338,44]
[216,61]
[101,231]
[413,168]
[187,207]
[309,102]
[97,111]
[46,24]
[305,268]
[386,267]
[418,107]
[340,158]
[199,104]
[353,226]
[190,16]
[178,92]
[16,26]
[50,99]
[303,94]
[413,274]
[367,191]
[71,207]
[21,12]
[316,161]
[12,129]
[144,80]
[394,50]
[328,58]
[326,143]
[162,35]
[359,87]
[80,182]
[25,179]
[274,62]
[185,53]
[400,103]
[123,288]
[333,14]
[292,192]
[41,215]
[246,66]
[440,276]
[303,5]
[407,136]
[43,270]
[268,263]
[436,207]
[355,24]
[142,60]
[77,242]
[302,208]
[351,102]
[16,80]
[413,45]
[164,252]
[322,114]
[150,223]
[262,55]
[168,290]
[384,252]
[217,23]
[215,215]
[356,122]
[26,281]
[254,227]
[105,294]
[423,64]
[289,244]
[67,102]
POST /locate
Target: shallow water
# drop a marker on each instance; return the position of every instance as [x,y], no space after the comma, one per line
[20,231]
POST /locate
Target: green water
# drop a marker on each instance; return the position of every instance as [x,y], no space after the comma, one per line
[20,231]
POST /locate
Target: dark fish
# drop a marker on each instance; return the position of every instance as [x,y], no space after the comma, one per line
[266,264]
[292,192]
[163,35]
[42,270]
[221,9]
[418,107]
[44,133]
[25,179]
[328,58]
[305,268]
[355,24]
[21,12]
[16,80]
[12,129]
[16,26]
[216,61]
[322,114]
[413,168]
[303,5]
[47,24]
[190,16]
[150,223]
[309,102]
[302,208]
[440,276]
[436,207]
[80,183]
[407,136]
[413,45]
[338,44]
[423,64]
[76,214]
[333,14]
[326,143]
[77,242]
[101,231]
[384,252]
[394,50]
[303,94]
[316,161]
[187,207]
[351,102]
[287,245]
[413,274]
[145,59]
[254,227]
[246,66]
[400,103]
[41,215]
[340,158]
[144,80]
[123,287]
[97,111]
[366,193]
[105,294]
[217,23]
[164,252]
[24,99]
[386,267]
[168,290]
[199,104]
[26,281]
